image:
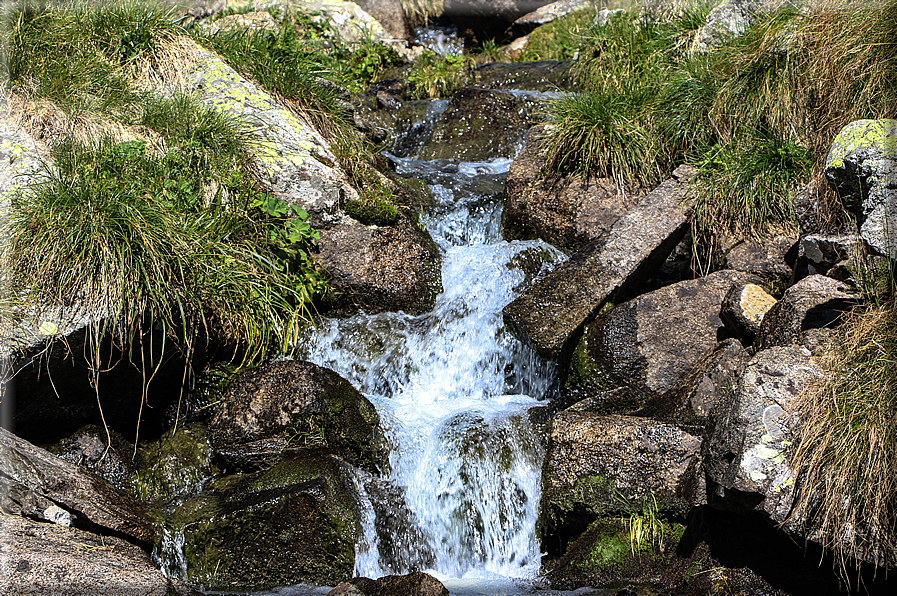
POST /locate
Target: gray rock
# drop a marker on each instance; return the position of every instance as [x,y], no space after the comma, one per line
[746,457]
[25,469]
[814,303]
[345,589]
[90,449]
[478,20]
[552,313]
[295,523]
[820,252]
[391,16]
[569,212]
[480,124]
[651,342]
[772,258]
[596,464]
[862,167]
[249,22]
[695,396]
[291,406]
[544,15]
[729,19]
[351,23]
[743,310]
[51,560]
[413,584]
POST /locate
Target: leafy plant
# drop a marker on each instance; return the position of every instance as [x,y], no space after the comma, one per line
[646,528]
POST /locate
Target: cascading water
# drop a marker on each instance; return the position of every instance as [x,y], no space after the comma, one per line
[453,388]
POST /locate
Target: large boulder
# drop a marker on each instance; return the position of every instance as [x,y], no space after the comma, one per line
[479,20]
[391,16]
[862,168]
[292,406]
[174,466]
[36,483]
[651,342]
[296,523]
[806,314]
[296,165]
[746,455]
[349,20]
[552,313]
[480,124]
[567,212]
[600,466]
[41,559]
[544,15]
[730,18]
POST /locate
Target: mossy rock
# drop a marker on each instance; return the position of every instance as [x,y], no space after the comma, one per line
[174,465]
[296,523]
[293,407]
[606,554]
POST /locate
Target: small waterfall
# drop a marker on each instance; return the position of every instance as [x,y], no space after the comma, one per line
[454,389]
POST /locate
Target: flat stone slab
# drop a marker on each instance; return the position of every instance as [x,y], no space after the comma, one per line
[551,314]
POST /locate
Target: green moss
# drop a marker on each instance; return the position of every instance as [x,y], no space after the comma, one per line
[372,208]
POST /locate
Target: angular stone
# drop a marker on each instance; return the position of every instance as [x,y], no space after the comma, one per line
[730,18]
[569,212]
[39,559]
[694,397]
[88,448]
[391,16]
[250,22]
[596,465]
[746,459]
[807,312]
[351,22]
[478,20]
[820,252]
[771,258]
[480,124]
[552,313]
[862,168]
[743,310]
[292,406]
[651,342]
[76,489]
[546,14]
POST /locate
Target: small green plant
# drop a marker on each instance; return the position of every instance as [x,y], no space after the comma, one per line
[646,528]
[435,75]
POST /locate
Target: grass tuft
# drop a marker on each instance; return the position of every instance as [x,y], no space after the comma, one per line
[845,455]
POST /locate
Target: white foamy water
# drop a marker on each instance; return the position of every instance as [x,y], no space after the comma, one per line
[454,389]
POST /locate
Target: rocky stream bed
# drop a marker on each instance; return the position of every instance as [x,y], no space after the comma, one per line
[519,369]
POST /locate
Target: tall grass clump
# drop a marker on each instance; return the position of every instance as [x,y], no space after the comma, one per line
[847,490]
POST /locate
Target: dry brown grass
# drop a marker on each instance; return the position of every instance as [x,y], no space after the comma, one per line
[846,454]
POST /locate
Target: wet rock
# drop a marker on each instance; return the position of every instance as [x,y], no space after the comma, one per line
[746,456]
[478,21]
[28,470]
[345,589]
[806,314]
[413,584]
[862,168]
[480,124]
[545,76]
[544,15]
[295,523]
[567,212]
[693,398]
[90,448]
[414,125]
[174,466]
[379,268]
[552,313]
[598,466]
[651,342]
[39,559]
[293,406]
[402,544]
[743,310]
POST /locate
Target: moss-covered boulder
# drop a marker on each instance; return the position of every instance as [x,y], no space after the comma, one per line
[862,167]
[293,406]
[634,548]
[174,466]
[295,523]
[480,124]
[600,466]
